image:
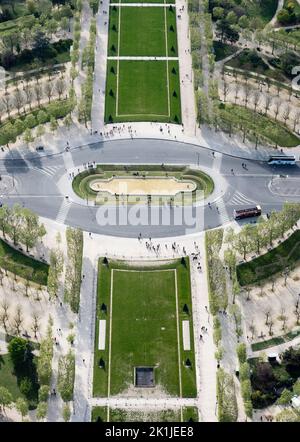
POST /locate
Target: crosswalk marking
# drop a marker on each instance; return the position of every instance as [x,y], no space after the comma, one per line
[63,212]
[51,170]
[240,199]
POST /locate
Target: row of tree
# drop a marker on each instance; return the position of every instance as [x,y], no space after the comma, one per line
[21,225]
[74,267]
[253,238]
[19,99]
[88,60]
[11,129]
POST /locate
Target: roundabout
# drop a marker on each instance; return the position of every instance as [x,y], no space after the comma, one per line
[51,186]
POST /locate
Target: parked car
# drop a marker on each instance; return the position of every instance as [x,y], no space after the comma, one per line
[39,148]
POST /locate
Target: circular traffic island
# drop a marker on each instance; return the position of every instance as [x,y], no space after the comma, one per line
[144,184]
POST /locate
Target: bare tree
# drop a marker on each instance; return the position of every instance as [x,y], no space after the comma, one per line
[35,324]
[226,89]
[277,105]
[256,99]
[7,103]
[247,93]
[60,87]
[268,103]
[267,315]
[18,319]
[286,113]
[237,88]
[18,99]
[48,89]
[2,109]
[29,94]
[252,330]
[38,92]
[271,323]
[296,119]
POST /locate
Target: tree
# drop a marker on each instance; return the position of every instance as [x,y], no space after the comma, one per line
[18,99]
[44,365]
[31,230]
[22,407]
[17,349]
[55,270]
[5,398]
[53,124]
[41,411]
[38,92]
[60,87]
[66,375]
[241,353]
[35,324]
[18,319]
[42,117]
[285,397]
[288,415]
[4,219]
[44,393]
[66,413]
[4,316]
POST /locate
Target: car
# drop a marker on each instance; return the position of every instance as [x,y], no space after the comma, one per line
[39,148]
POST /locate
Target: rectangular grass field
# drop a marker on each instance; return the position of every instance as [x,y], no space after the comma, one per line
[142,89]
[144,327]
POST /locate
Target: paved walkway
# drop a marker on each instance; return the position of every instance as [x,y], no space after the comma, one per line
[187,93]
[204,348]
[84,348]
[274,19]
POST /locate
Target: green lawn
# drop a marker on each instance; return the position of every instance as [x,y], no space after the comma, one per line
[143,91]
[22,265]
[146,23]
[7,377]
[275,261]
[144,327]
[143,88]
[275,341]
[11,381]
[151,24]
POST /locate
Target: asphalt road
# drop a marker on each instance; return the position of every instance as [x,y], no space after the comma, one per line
[35,186]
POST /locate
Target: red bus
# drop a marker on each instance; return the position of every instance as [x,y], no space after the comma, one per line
[247,213]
